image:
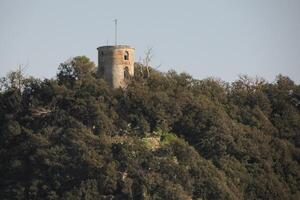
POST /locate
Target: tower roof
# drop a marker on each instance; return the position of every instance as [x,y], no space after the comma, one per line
[115,47]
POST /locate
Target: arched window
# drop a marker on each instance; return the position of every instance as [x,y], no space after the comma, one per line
[126,73]
[126,55]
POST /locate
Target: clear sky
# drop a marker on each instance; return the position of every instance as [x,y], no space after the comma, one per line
[204,38]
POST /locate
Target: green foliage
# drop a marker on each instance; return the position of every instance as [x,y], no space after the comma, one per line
[167,136]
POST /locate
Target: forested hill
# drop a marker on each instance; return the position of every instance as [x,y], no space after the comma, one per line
[167,136]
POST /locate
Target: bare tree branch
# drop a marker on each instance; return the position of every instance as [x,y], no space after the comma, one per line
[147,59]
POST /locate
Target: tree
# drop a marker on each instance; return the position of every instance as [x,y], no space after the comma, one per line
[147,59]
[77,69]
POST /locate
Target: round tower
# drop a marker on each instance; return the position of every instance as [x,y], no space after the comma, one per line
[116,64]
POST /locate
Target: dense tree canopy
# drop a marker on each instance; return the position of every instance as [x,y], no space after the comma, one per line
[166,136]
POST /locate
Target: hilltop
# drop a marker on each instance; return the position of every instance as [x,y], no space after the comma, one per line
[166,136]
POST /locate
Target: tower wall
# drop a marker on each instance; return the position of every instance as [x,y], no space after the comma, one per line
[112,64]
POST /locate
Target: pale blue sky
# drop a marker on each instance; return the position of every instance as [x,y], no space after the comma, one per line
[204,38]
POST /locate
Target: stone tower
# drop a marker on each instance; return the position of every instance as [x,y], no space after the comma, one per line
[116,64]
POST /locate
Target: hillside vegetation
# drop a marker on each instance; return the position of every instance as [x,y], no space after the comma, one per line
[167,136]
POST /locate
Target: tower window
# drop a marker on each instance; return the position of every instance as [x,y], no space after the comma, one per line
[126,55]
[126,73]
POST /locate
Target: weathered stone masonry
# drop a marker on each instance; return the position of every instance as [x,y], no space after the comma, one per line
[116,64]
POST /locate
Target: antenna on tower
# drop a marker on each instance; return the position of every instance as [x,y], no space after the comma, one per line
[116,32]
